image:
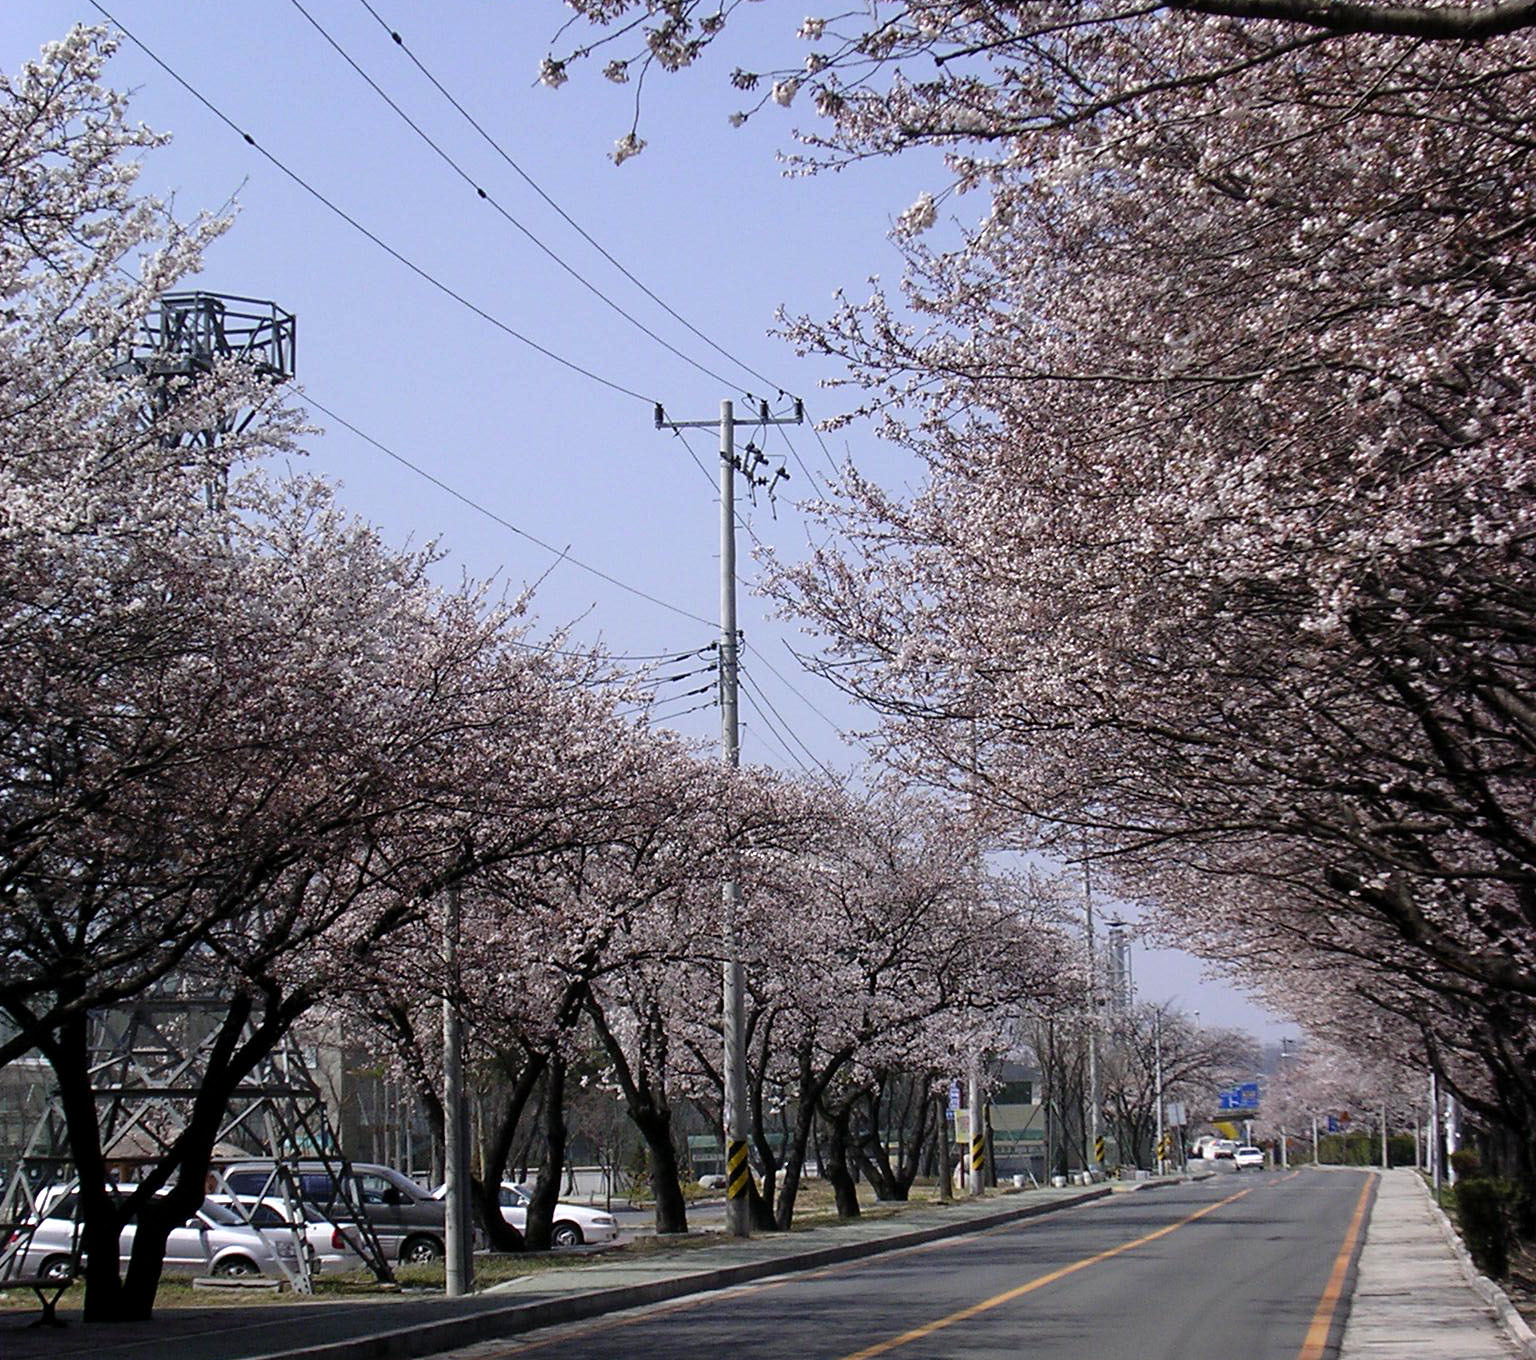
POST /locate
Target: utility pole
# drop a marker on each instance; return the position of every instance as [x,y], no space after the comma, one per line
[1157,1079]
[1094,1157]
[1434,1132]
[738,1172]
[456,1260]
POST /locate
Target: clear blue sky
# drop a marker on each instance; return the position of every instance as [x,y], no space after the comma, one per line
[704,218]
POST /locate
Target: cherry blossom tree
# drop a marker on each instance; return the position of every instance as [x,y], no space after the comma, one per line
[244,741]
[876,954]
[1225,397]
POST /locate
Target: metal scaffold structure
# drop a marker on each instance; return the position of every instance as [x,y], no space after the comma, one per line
[149,1057]
[148,1062]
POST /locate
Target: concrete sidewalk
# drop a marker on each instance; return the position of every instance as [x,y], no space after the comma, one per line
[400,1326]
[1417,1295]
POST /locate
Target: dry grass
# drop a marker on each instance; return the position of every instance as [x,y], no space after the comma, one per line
[814,1207]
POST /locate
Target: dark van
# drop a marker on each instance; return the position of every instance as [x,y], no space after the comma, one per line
[408,1222]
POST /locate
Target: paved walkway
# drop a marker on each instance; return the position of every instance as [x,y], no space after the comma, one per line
[1413,1298]
[1416,1296]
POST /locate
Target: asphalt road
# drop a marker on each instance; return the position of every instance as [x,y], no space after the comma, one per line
[1236,1266]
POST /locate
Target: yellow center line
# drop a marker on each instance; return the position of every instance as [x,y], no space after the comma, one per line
[1327,1306]
[1039,1282]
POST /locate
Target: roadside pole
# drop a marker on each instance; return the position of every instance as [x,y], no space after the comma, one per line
[1434,1132]
[1095,1151]
[1157,1054]
[738,1171]
[456,1262]
[975,1152]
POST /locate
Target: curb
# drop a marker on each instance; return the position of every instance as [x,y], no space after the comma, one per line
[451,1333]
[1517,1327]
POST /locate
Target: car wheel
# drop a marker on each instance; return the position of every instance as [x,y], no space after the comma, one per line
[419,1251]
[236,1267]
[566,1235]
[57,1269]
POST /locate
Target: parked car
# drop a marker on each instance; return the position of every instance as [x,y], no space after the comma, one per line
[573,1225]
[1249,1157]
[330,1250]
[1220,1149]
[213,1241]
[409,1223]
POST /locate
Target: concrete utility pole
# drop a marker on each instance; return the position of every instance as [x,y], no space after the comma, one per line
[733,1009]
[1452,1138]
[1157,1081]
[457,1263]
[1434,1132]
[975,1154]
[1092,1158]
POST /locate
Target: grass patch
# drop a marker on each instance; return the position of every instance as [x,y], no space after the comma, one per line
[814,1208]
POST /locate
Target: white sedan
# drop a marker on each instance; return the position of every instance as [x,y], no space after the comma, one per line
[573,1225]
[330,1249]
[1249,1156]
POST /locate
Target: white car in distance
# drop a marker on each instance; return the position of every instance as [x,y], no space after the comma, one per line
[573,1225]
[1249,1157]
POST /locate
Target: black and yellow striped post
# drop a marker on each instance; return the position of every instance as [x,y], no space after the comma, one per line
[1098,1151]
[738,1174]
[978,1155]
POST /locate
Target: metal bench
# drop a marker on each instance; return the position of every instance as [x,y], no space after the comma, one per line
[49,1290]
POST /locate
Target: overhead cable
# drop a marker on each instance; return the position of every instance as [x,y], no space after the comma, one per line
[482,193]
[568,219]
[446,289]
[503,522]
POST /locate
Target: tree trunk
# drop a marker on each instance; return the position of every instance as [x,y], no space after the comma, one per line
[546,1189]
[845,1192]
[671,1208]
[646,1101]
[941,1150]
[494,1157]
[183,1168]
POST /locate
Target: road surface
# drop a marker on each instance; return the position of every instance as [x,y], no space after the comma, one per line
[1236,1266]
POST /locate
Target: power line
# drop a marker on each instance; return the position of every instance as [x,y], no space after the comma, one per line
[565,216]
[779,676]
[418,270]
[673,717]
[769,728]
[502,521]
[482,193]
[753,685]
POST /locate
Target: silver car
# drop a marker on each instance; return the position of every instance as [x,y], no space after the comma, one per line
[329,1248]
[213,1241]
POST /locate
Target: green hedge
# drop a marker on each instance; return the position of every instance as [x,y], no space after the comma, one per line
[1482,1206]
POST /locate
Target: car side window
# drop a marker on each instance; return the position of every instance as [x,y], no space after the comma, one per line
[377,1190]
[317,1187]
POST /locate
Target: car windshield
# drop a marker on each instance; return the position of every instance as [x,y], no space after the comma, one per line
[217,1213]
